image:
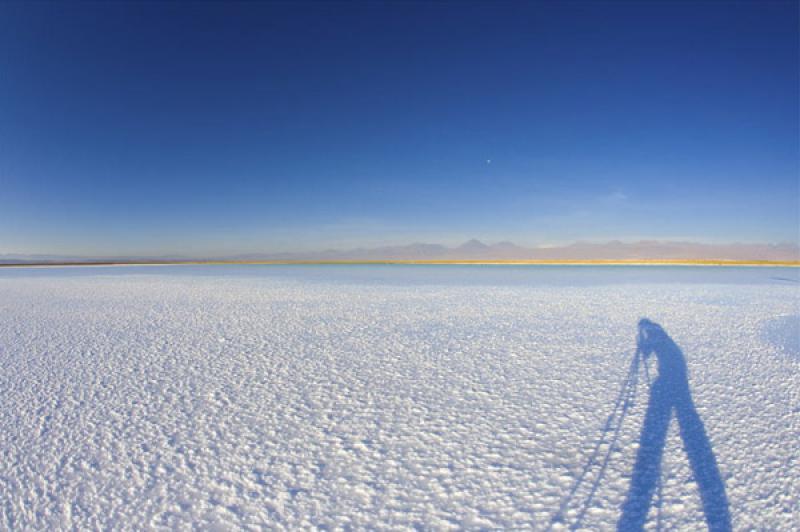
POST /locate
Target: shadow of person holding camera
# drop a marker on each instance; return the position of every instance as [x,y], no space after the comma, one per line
[670,394]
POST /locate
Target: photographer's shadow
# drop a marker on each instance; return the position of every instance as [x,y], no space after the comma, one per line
[670,392]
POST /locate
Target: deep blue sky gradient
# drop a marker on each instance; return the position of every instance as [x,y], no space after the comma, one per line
[218,128]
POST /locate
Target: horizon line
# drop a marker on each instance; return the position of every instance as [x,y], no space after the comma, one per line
[537,262]
[273,255]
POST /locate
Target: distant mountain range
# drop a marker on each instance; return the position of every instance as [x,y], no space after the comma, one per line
[475,250]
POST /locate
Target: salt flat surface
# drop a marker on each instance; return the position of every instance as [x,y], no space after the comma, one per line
[392,397]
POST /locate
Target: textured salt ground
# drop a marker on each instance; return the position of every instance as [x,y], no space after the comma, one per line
[163,401]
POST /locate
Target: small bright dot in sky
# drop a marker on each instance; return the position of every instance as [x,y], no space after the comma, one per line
[488,161]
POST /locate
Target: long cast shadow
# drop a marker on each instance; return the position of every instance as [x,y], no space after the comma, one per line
[609,437]
[670,392]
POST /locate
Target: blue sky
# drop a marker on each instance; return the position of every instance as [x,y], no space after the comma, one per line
[207,129]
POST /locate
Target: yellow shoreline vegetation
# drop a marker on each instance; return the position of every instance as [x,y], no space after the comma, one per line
[596,262]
